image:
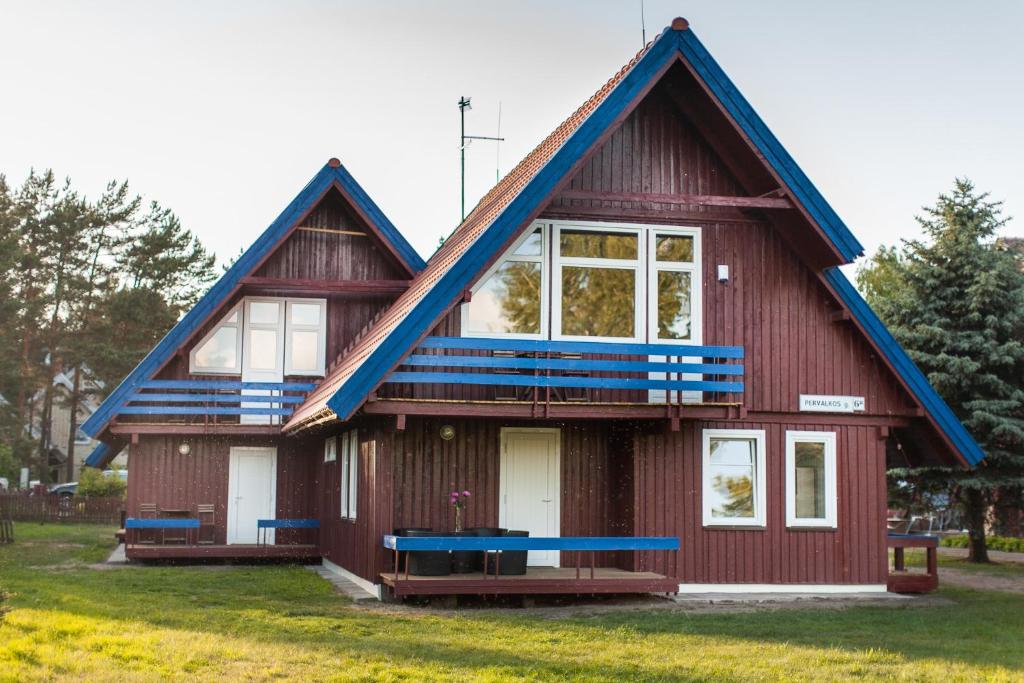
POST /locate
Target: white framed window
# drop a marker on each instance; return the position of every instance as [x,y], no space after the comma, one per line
[306,337]
[220,351]
[263,338]
[675,284]
[266,334]
[511,298]
[811,479]
[349,447]
[331,449]
[733,471]
[597,286]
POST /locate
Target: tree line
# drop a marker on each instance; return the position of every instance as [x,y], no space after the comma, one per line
[955,300]
[87,287]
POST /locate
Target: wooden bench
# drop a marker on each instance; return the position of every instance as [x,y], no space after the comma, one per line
[135,523]
[263,524]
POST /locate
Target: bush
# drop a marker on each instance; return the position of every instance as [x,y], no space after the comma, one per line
[1003,543]
[93,484]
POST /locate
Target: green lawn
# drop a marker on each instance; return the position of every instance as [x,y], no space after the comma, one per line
[69,621]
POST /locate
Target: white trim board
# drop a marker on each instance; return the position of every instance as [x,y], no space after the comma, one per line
[371,588]
[734,588]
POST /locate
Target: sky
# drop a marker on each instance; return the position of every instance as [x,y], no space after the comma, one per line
[222,111]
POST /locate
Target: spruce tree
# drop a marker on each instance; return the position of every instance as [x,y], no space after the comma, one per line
[955,301]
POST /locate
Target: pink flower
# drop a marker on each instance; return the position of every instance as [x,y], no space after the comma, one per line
[465,493]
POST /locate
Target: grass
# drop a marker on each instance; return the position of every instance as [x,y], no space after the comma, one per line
[915,557]
[70,621]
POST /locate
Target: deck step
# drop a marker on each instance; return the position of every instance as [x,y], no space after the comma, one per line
[342,585]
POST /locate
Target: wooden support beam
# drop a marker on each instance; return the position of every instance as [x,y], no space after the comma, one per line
[763,202]
[719,215]
[332,231]
[133,429]
[839,316]
[362,287]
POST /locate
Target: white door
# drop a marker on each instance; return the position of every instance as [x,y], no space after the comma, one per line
[529,481]
[252,492]
[263,353]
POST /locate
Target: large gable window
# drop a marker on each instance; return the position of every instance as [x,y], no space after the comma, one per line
[265,334]
[607,282]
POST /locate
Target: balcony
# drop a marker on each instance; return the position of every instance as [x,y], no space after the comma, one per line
[209,404]
[540,378]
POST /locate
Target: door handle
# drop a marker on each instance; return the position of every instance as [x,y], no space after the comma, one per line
[545,500]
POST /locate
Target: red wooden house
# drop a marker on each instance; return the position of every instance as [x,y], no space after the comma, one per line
[639,337]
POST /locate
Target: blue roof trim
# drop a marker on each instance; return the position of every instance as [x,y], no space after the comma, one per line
[919,386]
[214,298]
[803,189]
[401,339]
[99,456]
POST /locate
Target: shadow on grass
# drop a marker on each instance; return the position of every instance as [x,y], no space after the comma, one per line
[292,607]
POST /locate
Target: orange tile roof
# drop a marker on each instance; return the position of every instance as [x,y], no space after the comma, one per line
[314,409]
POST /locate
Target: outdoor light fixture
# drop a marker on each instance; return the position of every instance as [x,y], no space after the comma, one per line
[447,432]
[723,274]
[184,448]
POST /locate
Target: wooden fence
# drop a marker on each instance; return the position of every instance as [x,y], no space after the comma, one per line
[21,507]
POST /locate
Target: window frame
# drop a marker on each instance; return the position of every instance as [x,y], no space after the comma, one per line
[320,329]
[277,328]
[239,326]
[331,449]
[695,268]
[830,520]
[759,520]
[636,265]
[545,285]
[349,475]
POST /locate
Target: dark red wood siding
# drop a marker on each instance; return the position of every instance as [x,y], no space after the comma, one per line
[668,501]
[160,475]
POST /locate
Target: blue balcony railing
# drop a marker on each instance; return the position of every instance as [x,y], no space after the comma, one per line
[575,365]
[215,397]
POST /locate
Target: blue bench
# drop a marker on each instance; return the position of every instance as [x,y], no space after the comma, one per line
[161,524]
[263,524]
[495,543]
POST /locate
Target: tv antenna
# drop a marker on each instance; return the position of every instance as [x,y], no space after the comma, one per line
[464,106]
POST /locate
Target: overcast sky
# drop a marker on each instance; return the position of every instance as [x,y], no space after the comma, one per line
[222,111]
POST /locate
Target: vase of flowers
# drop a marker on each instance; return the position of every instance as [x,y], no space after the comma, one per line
[458,500]
[463,561]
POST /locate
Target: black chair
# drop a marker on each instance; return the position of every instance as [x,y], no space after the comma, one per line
[428,562]
[467,561]
[513,562]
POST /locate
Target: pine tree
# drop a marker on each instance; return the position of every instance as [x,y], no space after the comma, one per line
[955,301]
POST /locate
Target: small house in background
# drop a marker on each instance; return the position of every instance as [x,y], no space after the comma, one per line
[60,424]
[639,340]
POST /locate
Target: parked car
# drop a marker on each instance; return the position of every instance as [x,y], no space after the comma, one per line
[67,489]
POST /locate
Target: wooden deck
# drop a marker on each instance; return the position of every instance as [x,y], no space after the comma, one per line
[146,551]
[537,580]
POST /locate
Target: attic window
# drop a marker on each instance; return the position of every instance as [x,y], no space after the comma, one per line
[220,351]
[509,301]
[280,336]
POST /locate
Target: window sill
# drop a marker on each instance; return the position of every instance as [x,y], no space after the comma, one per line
[812,527]
[735,527]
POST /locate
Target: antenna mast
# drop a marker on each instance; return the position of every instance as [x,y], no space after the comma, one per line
[464,106]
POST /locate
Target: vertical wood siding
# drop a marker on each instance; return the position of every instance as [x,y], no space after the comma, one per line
[668,500]
[162,476]
[356,544]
